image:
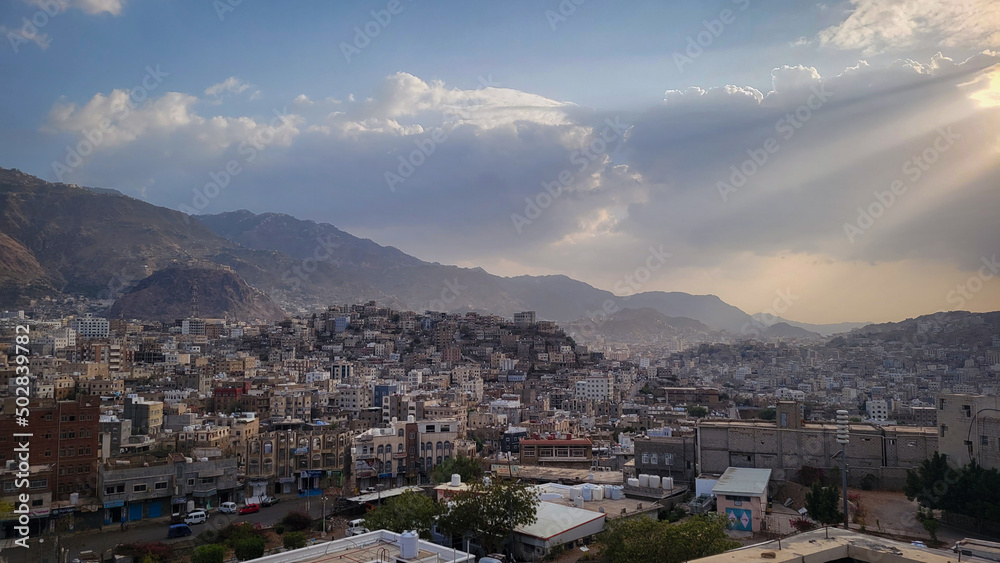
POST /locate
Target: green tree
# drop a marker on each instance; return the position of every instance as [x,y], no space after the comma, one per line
[932,483]
[293,540]
[491,512]
[469,468]
[823,504]
[767,414]
[297,521]
[643,539]
[247,548]
[212,553]
[697,411]
[408,511]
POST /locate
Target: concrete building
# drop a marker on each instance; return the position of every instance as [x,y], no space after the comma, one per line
[569,453]
[146,416]
[969,428]
[666,456]
[883,451]
[89,326]
[741,496]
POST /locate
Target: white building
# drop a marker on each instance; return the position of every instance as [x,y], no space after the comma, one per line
[89,326]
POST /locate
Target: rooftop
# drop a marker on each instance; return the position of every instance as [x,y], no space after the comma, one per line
[743,481]
[380,545]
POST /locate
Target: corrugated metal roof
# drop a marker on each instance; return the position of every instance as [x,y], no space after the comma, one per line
[553,519]
[743,481]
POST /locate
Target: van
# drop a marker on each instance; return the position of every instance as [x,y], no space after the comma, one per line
[356,527]
[178,531]
[227,508]
[196,517]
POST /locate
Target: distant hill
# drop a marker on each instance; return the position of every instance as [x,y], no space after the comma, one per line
[823,329]
[636,326]
[65,239]
[172,293]
[785,330]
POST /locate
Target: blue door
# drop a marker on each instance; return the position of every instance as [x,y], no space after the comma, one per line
[135,512]
[156,509]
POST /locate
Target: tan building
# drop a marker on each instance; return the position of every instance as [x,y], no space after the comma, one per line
[969,425]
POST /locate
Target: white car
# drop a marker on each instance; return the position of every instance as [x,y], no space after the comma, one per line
[227,508]
[196,517]
[356,527]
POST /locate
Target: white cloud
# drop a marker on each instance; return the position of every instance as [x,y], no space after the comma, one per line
[874,26]
[113,7]
[231,85]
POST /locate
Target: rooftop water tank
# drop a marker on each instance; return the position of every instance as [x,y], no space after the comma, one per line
[456,479]
[409,545]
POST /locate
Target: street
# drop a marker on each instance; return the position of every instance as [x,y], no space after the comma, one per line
[102,541]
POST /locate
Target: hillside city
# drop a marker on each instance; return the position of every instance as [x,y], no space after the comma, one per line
[139,422]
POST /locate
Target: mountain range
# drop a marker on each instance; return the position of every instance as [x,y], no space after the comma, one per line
[64,239]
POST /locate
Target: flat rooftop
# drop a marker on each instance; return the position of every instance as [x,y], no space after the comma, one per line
[537,473]
[369,497]
[380,545]
[613,508]
[841,546]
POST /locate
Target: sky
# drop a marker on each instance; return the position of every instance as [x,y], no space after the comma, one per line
[826,162]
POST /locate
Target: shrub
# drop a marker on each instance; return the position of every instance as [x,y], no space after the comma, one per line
[279,529]
[803,524]
[809,475]
[869,482]
[236,532]
[249,548]
[213,553]
[297,521]
[141,551]
[293,540]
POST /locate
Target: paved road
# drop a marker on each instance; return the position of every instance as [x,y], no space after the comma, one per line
[101,541]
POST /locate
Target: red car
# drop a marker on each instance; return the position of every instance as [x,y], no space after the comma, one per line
[250,509]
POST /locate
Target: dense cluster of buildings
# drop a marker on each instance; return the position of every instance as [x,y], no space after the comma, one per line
[134,419]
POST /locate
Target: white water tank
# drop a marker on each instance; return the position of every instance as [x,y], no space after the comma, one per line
[616,493]
[550,496]
[643,480]
[587,494]
[456,479]
[598,493]
[74,498]
[668,483]
[576,492]
[578,502]
[633,482]
[409,545]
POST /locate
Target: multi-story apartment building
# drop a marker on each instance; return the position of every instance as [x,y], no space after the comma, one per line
[569,453]
[667,456]
[169,488]
[969,429]
[89,326]
[284,461]
[146,416]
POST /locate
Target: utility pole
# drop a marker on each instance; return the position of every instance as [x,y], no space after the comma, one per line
[324,516]
[843,437]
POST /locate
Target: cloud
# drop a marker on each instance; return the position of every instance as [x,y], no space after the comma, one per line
[113,7]
[473,158]
[874,26]
[231,85]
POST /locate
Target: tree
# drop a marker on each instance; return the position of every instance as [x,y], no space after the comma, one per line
[491,512]
[697,411]
[293,540]
[823,504]
[469,468]
[247,548]
[767,414]
[297,521]
[408,511]
[212,553]
[643,539]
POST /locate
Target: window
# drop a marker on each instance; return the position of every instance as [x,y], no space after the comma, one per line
[967,409]
[140,488]
[191,481]
[38,502]
[984,441]
[160,486]
[207,480]
[944,428]
[653,460]
[8,487]
[446,428]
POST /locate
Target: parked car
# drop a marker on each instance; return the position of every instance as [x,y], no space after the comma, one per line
[250,509]
[228,508]
[178,531]
[356,527]
[196,517]
[270,501]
